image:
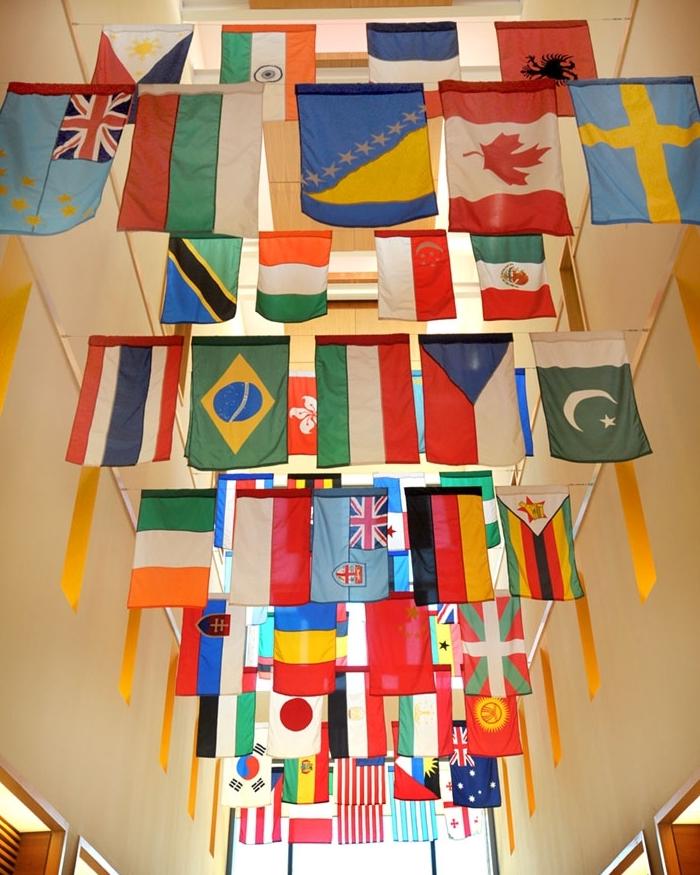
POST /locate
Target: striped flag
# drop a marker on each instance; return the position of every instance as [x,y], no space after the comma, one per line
[226,725]
[277,55]
[425,721]
[211,650]
[173,549]
[201,280]
[512,276]
[195,161]
[293,275]
[263,826]
[355,719]
[484,481]
[304,649]
[126,407]
[306,778]
[360,781]
[446,644]
[411,821]
[227,485]
[360,824]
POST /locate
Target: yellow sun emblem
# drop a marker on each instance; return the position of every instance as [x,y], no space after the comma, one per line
[491,713]
[144,47]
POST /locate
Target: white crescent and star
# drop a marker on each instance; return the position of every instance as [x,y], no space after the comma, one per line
[575,398]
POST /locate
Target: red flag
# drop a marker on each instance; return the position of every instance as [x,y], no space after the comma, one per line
[415,778]
[398,647]
[503,165]
[301,427]
[309,828]
[560,51]
[492,726]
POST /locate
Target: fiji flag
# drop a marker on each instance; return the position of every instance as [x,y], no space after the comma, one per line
[365,159]
[56,148]
[641,141]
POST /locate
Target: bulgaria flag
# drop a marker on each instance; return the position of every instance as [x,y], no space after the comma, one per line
[293,275]
[414,277]
[512,276]
[195,161]
[503,166]
[365,400]
[277,55]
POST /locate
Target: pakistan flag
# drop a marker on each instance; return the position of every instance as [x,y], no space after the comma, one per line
[588,397]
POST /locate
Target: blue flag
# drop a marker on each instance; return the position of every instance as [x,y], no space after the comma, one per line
[641,142]
[411,821]
[524,410]
[57,143]
[365,159]
[226,486]
[476,784]
[422,52]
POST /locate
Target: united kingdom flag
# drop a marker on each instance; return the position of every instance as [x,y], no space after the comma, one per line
[92,126]
[368,521]
[460,754]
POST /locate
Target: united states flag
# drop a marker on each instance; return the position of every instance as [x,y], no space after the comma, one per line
[368,522]
[360,781]
[360,824]
[92,126]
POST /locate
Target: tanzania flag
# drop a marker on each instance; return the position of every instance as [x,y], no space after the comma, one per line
[58,142]
[365,158]
[492,726]
[365,400]
[201,280]
[174,546]
[304,654]
[238,409]
[588,396]
[277,55]
[293,275]
[226,725]
[211,655]
[539,542]
[641,142]
[306,778]
[484,481]
[503,166]
[512,276]
[195,161]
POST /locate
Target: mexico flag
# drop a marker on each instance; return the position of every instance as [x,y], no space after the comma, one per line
[293,275]
[503,166]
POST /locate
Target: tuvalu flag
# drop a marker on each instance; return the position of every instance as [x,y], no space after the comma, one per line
[306,778]
[210,662]
[365,400]
[492,726]
[238,407]
[503,166]
[128,396]
[484,481]
[355,718]
[539,542]
[512,276]
[588,396]
[414,278]
[293,275]
[226,725]
[276,55]
[195,161]
[304,650]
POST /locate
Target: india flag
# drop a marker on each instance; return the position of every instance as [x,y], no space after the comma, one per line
[277,55]
[293,275]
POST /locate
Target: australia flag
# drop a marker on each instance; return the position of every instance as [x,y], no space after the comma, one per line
[476,784]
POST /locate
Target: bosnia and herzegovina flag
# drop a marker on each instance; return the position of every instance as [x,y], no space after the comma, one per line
[365,158]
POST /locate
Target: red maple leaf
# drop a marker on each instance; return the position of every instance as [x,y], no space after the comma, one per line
[501,157]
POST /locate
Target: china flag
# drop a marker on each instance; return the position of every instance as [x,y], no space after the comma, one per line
[398,648]
[492,726]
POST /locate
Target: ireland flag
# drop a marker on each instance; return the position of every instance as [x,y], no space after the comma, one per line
[588,397]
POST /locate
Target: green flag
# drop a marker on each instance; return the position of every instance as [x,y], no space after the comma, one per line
[238,410]
[588,397]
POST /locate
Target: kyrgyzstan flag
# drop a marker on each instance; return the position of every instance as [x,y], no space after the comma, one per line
[503,164]
[492,726]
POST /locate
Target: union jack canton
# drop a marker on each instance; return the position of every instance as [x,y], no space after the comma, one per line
[92,126]
[368,522]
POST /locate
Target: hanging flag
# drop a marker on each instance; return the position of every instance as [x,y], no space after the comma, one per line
[246,781]
[471,407]
[271,542]
[295,725]
[365,400]
[293,275]
[304,654]
[173,550]
[588,396]
[306,778]
[227,485]
[415,778]
[266,639]
[425,721]
[484,481]
[446,643]
[521,388]
[539,541]
[201,280]
[58,142]
[365,158]
[449,555]
[142,54]
[263,826]
[419,52]
[411,821]
[414,279]
[360,824]
[226,725]
[301,425]
[317,480]
[401,574]
[355,655]
[640,140]
[349,558]
[195,161]
[311,824]
[512,277]
[126,407]
[459,822]
[559,51]
[341,635]
[355,719]
[398,645]
[503,166]
[473,781]
[276,55]
[211,650]
[238,408]
[360,781]
[492,726]
[493,641]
